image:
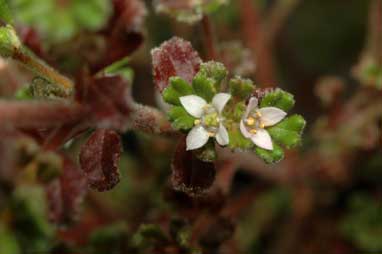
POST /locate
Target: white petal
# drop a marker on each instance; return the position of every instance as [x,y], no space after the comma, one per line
[262,139]
[271,115]
[222,136]
[197,138]
[253,102]
[193,105]
[220,100]
[244,130]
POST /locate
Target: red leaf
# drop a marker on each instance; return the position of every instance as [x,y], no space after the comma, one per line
[175,57]
[108,98]
[99,159]
[65,194]
[190,174]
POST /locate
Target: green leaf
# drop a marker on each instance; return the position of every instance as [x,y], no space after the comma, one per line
[8,242]
[237,140]
[180,119]
[177,88]
[241,88]
[5,12]
[276,155]
[204,87]
[288,132]
[214,70]
[279,99]
[214,5]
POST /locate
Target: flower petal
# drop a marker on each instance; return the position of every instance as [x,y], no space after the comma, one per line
[222,136]
[271,115]
[262,139]
[197,138]
[193,105]
[253,102]
[244,130]
[220,100]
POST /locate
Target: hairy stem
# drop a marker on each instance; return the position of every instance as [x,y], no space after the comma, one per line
[40,68]
[20,114]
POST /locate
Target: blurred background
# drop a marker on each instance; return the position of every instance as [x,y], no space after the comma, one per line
[324,197]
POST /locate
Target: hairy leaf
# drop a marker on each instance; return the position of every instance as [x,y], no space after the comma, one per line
[99,158]
[180,119]
[279,99]
[189,174]
[66,193]
[204,87]
[177,88]
[288,132]
[276,155]
[175,57]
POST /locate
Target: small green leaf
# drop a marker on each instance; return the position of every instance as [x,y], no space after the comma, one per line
[214,70]
[177,88]
[204,87]
[180,119]
[279,99]
[288,132]
[276,155]
[241,88]
[5,12]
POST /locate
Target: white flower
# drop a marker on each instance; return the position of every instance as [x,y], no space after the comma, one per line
[209,120]
[255,120]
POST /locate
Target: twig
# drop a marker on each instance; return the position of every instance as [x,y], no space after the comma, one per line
[209,40]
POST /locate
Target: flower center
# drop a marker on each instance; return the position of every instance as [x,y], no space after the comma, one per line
[210,120]
[254,122]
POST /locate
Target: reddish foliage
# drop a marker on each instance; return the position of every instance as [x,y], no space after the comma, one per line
[175,57]
[108,98]
[65,194]
[124,31]
[190,174]
[99,159]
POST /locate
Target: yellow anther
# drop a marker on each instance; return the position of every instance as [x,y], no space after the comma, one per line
[211,134]
[253,131]
[250,121]
[258,114]
[197,122]
[262,125]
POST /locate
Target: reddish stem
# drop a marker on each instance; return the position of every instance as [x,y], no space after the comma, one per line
[209,40]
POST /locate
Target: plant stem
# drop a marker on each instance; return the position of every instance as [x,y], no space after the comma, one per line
[209,40]
[40,68]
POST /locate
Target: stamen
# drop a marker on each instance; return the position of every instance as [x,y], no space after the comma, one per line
[197,122]
[211,134]
[250,121]
[253,131]
[258,114]
[262,125]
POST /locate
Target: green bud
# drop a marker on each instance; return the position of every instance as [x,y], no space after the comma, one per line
[9,41]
